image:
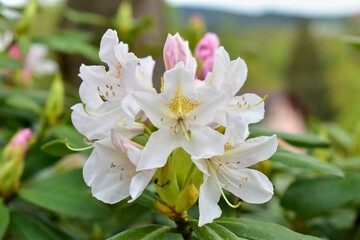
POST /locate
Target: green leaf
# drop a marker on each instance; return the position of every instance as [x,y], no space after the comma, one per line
[257,230]
[340,136]
[295,160]
[309,197]
[299,140]
[64,193]
[212,231]
[4,219]
[70,43]
[24,103]
[87,18]
[7,62]
[144,233]
[28,227]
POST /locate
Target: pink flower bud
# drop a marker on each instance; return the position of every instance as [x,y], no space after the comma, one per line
[207,46]
[177,50]
[21,139]
[205,51]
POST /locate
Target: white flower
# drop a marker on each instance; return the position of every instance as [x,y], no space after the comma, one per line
[104,93]
[36,61]
[181,113]
[229,171]
[230,77]
[110,170]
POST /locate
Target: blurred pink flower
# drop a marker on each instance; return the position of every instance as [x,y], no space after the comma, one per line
[15,52]
[205,51]
[177,50]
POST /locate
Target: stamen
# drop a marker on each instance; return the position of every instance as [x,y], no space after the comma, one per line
[76,149]
[99,115]
[218,183]
[262,100]
[228,202]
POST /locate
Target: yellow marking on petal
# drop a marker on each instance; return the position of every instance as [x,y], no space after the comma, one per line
[228,146]
[180,104]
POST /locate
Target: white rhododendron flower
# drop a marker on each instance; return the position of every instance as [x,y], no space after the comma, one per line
[229,170]
[182,113]
[134,130]
[111,172]
[230,76]
[104,92]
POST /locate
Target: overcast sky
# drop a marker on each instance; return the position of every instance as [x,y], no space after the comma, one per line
[313,8]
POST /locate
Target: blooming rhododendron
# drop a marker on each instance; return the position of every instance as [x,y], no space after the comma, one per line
[141,136]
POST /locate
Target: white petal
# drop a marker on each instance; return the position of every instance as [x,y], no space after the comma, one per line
[237,129]
[211,99]
[98,80]
[249,106]
[135,77]
[251,152]
[204,142]
[89,96]
[108,42]
[110,189]
[103,171]
[139,182]
[96,124]
[221,64]
[123,55]
[145,72]
[209,196]
[201,164]
[154,107]
[157,150]
[250,185]
[179,78]
[235,76]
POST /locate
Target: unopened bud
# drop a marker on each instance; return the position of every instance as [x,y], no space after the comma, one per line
[54,106]
[164,209]
[12,162]
[177,50]
[187,198]
[205,52]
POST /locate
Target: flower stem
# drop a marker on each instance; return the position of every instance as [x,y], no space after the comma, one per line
[183,226]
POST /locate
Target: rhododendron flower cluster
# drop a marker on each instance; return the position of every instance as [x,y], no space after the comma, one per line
[138,132]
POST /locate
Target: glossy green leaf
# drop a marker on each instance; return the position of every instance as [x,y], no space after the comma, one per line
[314,196]
[152,232]
[213,231]
[4,219]
[24,103]
[64,193]
[10,63]
[29,227]
[299,140]
[257,230]
[296,160]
